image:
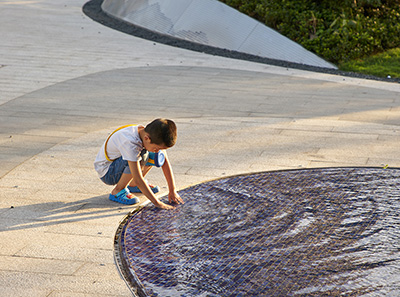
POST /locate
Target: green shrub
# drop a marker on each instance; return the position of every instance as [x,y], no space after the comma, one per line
[338,31]
[385,64]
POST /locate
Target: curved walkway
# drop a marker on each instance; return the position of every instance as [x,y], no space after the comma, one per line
[66,81]
[214,24]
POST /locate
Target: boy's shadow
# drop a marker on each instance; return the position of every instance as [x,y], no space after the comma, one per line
[59,212]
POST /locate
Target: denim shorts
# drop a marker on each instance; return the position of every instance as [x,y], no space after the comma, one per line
[115,171]
[118,167]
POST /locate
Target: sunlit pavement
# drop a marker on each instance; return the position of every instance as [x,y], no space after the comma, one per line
[67,81]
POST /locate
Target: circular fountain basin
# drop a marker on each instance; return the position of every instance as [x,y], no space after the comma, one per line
[311,232]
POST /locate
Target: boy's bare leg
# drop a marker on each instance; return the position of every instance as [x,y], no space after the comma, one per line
[145,170]
[127,179]
[123,182]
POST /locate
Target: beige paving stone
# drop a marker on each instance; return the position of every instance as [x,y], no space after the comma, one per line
[337,135]
[280,163]
[13,241]
[338,163]
[61,96]
[383,162]
[67,252]
[22,292]
[38,265]
[55,215]
[62,283]
[73,294]
[7,165]
[107,271]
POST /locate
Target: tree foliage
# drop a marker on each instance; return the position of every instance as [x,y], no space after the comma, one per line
[336,30]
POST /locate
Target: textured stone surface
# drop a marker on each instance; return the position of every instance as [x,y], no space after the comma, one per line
[67,82]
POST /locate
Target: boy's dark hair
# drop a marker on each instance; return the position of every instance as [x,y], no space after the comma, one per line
[162,132]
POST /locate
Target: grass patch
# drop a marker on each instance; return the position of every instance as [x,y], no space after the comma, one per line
[381,65]
[342,32]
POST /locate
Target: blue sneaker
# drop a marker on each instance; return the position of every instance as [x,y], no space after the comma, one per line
[135,189]
[124,197]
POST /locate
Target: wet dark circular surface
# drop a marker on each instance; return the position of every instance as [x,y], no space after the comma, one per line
[313,232]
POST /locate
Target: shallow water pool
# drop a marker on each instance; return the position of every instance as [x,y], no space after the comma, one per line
[311,232]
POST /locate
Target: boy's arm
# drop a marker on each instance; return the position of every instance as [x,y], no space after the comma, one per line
[142,185]
[173,195]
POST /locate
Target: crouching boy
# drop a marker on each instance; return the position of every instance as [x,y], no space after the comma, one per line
[121,161]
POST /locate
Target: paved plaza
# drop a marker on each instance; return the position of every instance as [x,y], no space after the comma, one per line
[66,82]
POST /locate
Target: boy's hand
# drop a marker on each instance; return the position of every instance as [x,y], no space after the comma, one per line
[162,205]
[174,197]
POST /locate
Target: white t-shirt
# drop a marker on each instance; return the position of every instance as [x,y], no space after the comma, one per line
[126,143]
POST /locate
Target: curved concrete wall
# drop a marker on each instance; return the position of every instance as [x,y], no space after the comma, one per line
[212,23]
